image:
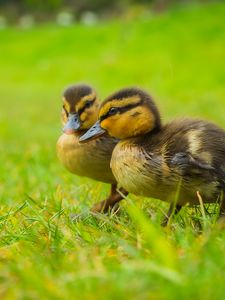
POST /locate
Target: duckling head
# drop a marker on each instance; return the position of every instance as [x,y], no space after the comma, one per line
[80,108]
[127,113]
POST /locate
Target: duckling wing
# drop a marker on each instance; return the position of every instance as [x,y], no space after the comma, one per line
[195,147]
[185,160]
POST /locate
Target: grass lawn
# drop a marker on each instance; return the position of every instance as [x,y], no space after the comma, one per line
[179,57]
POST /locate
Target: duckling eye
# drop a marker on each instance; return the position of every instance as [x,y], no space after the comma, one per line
[113,110]
[88,104]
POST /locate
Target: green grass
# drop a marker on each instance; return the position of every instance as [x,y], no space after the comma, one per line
[179,57]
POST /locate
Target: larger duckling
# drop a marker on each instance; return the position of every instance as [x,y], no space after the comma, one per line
[175,162]
[79,113]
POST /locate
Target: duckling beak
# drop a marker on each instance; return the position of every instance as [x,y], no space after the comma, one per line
[72,125]
[93,132]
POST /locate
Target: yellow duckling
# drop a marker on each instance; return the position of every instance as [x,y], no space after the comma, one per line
[79,113]
[176,162]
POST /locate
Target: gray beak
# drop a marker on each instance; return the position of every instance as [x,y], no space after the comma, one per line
[72,125]
[93,132]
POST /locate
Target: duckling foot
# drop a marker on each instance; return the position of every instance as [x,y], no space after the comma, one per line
[111,203]
[173,210]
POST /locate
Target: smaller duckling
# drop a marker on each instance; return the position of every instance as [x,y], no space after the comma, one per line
[175,162]
[79,113]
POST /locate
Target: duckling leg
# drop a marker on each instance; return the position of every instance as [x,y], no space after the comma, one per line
[173,210]
[110,202]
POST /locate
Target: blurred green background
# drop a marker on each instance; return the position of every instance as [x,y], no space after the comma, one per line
[174,50]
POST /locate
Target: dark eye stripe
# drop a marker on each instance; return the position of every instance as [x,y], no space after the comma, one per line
[88,104]
[66,112]
[120,110]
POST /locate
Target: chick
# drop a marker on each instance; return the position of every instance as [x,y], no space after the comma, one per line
[79,113]
[175,162]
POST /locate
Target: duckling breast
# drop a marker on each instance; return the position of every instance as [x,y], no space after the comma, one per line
[137,171]
[89,160]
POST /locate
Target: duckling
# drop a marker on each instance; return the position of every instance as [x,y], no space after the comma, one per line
[79,113]
[175,162]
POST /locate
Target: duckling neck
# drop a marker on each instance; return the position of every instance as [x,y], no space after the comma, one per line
[80,132]
[154,131]
[141,139]
[150,134]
